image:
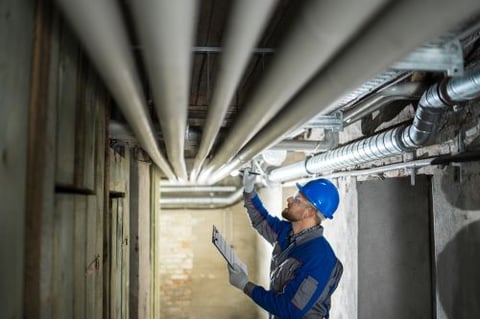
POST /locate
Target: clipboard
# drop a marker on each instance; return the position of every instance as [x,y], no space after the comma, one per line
[226,250]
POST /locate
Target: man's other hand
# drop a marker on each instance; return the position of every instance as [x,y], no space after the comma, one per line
[249,178]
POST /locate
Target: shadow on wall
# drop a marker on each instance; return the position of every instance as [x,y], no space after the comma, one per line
[459,275]
[461,189]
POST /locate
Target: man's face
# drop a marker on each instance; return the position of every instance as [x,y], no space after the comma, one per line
[297,208]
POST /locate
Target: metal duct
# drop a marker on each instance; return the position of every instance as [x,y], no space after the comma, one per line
[201,202]
[404,91]
[246,25]
[100,28]
[320,31]
[402,22]
[166,29]
[432,105]
[411,165]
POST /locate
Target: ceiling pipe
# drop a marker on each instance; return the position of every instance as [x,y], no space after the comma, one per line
[321,30]
[197,189]
[201,202]
[410,91]
[402,22]
[410,165]
[247,22]
[100,28]
[330,141]
[166,29]
[433,104]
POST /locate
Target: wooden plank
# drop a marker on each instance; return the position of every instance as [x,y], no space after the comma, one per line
[119,169]
[125,257]
[140,271]
[39,199]
[16,33]
[101,181]
[66,107]
[155,249]
[113,257]
[91,256]
[118,274]
[79,260]
[62,265]
[106,261]
[86,127]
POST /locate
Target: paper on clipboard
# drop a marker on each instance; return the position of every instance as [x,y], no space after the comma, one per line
[226,250]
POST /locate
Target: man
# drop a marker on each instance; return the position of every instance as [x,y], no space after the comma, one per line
[304,270]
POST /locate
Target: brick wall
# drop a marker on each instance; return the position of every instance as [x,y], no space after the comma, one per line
[193,276]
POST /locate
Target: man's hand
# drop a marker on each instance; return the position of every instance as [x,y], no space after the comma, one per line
[249,178]
[238,277]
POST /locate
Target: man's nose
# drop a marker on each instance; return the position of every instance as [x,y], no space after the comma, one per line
[289,199]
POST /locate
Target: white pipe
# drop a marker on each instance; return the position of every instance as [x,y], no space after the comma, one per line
[322,29]
[246,25]
[166,29]
[370,53]
[330,141]
[199,202]
[197,189]
[100,28]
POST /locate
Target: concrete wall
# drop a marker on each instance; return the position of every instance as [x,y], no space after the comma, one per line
[193,275]
[456,211]
[342,233]
[394,249]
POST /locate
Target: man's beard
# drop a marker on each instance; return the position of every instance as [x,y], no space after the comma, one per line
[286,214]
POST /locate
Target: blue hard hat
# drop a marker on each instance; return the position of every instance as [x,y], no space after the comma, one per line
[322,194]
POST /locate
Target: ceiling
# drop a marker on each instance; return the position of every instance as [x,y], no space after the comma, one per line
[205,87]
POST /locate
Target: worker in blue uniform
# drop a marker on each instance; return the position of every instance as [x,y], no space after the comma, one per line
[304,270]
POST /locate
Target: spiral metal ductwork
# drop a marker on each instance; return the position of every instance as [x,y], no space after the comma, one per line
[433,104]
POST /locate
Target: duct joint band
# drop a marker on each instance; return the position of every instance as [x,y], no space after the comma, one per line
[443,93]
[306,164]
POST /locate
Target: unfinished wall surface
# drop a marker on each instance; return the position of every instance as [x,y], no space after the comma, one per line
[342,233]
[193,275]
[394,249]
[456,209]
[140,261]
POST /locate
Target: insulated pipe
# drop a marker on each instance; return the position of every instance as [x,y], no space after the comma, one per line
[100,28]
[433,104]
[247,22]
[404,91]
[166,30]
[197,189]
[321,30]
[401,22]
[330,141]
[201,202]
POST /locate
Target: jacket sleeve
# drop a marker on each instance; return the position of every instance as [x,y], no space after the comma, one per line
[299,295]
[268,226]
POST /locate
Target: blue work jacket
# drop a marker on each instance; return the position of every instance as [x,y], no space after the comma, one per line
[304,270]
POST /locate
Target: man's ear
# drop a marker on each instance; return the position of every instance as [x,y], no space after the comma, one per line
[313,211]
